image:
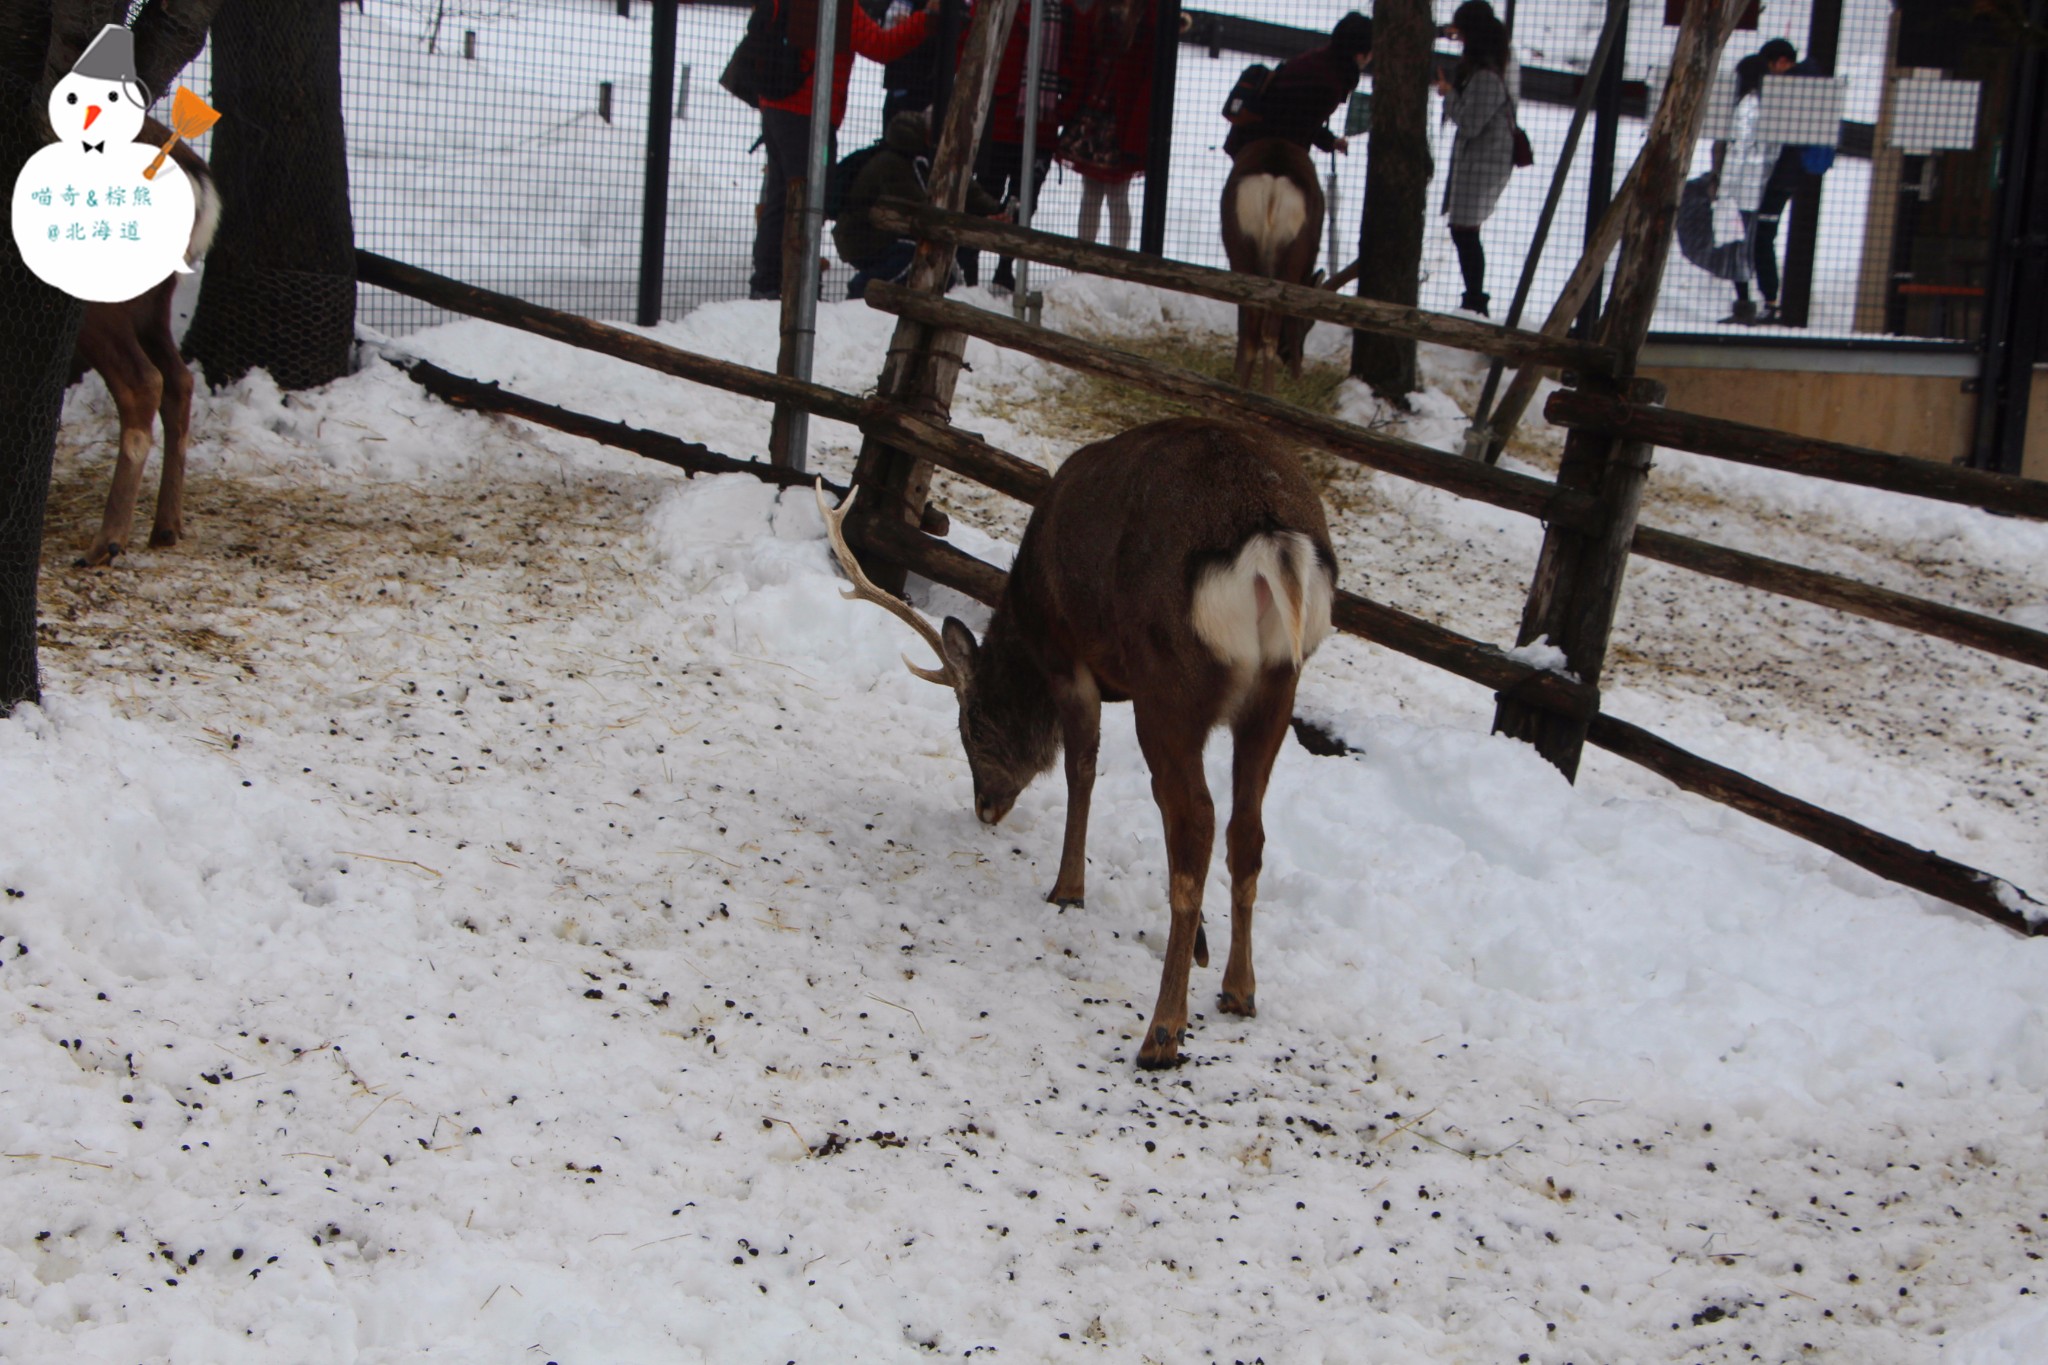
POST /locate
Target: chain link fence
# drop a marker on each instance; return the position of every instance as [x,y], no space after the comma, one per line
[505,143]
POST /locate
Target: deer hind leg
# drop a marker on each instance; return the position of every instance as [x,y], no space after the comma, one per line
[1256,736]
[137,390]
[1080,706]
[1248,324]
[1173,751]
[168,527]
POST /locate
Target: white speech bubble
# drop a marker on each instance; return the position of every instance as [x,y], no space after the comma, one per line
[90,224]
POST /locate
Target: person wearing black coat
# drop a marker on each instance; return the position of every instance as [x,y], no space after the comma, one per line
[1298,99]
[895,172]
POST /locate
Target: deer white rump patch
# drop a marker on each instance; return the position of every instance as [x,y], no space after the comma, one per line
[1269,606]
[1271,211]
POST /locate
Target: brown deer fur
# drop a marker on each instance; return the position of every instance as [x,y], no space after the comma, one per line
[1272,216]
[1185,567]
[131,347]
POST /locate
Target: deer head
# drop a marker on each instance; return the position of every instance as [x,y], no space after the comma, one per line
[1008,740]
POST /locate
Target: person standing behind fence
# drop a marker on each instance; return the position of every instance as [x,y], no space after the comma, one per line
[1477,102]
[786,123]
[912,80]
[1106,117]
[1758,177]
[999,167]
[1298,98]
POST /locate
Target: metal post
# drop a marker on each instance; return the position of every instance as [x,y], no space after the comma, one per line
[1823,37]
[1034,73]
[2013,328]
[1159,154]
[804,331]
[661,84]
[1600,180]
[1480,435]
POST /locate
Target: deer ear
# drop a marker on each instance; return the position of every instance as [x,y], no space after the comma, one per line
[960,647]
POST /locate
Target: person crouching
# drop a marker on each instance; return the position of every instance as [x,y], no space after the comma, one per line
[896,172]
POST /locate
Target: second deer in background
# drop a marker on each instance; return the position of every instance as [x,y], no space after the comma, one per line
[1272,226]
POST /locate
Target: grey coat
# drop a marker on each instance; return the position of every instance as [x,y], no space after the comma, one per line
[1483,150]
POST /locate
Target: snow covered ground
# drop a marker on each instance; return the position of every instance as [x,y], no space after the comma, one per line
[487,898]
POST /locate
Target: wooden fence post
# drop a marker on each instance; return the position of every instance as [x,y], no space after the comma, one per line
[1579,573]
[923,364]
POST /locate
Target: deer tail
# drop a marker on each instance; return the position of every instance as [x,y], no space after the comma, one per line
[1268,606]
[1271,211]
[205,207]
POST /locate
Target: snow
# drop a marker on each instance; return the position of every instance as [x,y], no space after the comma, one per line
[485,897]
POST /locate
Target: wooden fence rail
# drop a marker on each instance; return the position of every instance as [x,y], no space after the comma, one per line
[1953,624]
[1368,315]
[1467,478]
[930,437]
[1768,449]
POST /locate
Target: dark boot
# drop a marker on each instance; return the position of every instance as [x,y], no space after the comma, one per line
[1475,302]
[1744,313]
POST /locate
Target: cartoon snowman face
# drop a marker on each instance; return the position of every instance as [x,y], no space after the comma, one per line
[86,111]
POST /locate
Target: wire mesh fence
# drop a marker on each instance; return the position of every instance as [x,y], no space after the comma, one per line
[505,142]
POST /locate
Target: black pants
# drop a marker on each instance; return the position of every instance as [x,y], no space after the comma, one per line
[1000,170]
[788,140]
[1785,181]
[1472,265]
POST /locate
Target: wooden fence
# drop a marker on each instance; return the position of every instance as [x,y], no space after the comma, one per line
[1589,512]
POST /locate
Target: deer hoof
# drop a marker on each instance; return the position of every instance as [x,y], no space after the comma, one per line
[163,538]
[1161,1051]
[98,557]
[1244,1006]
[1073,902]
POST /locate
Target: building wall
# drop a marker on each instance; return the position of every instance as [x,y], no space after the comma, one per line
[1909,404]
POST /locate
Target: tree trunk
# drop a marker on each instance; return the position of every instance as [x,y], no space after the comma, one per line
[1396,186]
[38,327]
[280,289]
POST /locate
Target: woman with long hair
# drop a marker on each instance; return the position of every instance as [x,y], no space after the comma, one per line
[1477,102]
[1758,177]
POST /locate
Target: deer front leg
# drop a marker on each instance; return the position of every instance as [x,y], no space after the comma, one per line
[1256,736]
[1175,758]
[1079,702]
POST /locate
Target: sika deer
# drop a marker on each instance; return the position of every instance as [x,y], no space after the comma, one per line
[131,346]
[1185,567]
[1272,226]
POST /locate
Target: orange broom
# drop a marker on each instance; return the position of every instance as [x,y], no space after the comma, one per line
[190,116]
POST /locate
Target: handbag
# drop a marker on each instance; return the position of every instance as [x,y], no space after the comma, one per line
[765,65]
[1525,155]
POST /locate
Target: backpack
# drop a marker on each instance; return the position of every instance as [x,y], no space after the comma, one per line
[1251,83]
[839,179]
[765,65]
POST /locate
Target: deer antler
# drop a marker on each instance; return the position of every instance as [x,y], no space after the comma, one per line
[864,590]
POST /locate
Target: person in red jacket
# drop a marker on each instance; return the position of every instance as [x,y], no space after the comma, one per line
[786,123]
[1106,118]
